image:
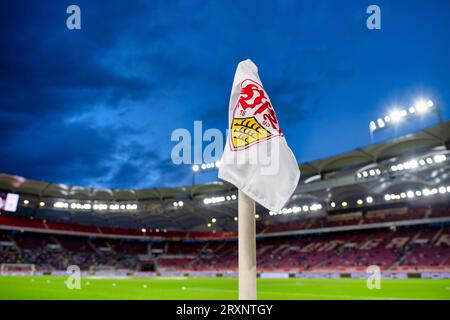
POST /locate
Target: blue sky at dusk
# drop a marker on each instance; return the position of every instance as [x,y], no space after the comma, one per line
[97,106]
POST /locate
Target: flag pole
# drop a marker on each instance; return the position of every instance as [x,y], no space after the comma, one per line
[247,247]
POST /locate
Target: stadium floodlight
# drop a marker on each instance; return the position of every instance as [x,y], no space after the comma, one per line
[344,204]
[205,166]
[214,200]
[368,174]
[143,230]
[213,220]
[413,164]
[41,204]
[315,207]
[26,202]
[297,209]
[369,199]
[420,107]
[61,205]
[395,116]
[410,194]
[333,204]
[235,218]
[256,216]
[417,163]
[380,123]
[134,206]
[209,225]
[359,202]
[439,158]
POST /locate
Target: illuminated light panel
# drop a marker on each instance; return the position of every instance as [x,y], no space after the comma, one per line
[421,106]
[416,163]
[219,199]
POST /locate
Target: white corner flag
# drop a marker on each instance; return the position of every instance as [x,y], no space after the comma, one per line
[258,161]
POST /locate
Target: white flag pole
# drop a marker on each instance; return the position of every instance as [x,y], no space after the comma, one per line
[247,247]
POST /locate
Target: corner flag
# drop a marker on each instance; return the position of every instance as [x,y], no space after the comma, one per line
[258,161]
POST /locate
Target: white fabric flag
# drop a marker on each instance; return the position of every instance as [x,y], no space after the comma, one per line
[257,159]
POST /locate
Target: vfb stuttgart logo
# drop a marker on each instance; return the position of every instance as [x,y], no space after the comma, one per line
[254,118]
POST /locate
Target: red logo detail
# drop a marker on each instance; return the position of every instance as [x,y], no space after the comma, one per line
[254,97]
[253,104]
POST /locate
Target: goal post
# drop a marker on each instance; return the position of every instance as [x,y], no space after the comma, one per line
[102,270]
[25,269]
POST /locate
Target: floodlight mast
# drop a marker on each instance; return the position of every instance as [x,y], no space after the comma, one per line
[398,115]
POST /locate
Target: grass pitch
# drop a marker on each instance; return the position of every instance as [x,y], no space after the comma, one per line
[53,287]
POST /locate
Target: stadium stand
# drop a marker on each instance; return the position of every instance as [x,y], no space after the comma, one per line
[385,204]
[415,246]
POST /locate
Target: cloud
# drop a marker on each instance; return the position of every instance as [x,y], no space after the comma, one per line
[97,106]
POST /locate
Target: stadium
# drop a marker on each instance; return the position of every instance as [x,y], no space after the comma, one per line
[384,205]
[219,157]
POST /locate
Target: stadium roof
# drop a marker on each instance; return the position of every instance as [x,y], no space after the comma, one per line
[156,205]
[431,137]
[434,136]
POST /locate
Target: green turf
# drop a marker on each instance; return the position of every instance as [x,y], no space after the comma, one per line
[52,287]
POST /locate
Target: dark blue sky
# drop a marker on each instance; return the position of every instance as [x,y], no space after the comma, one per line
[96,107]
